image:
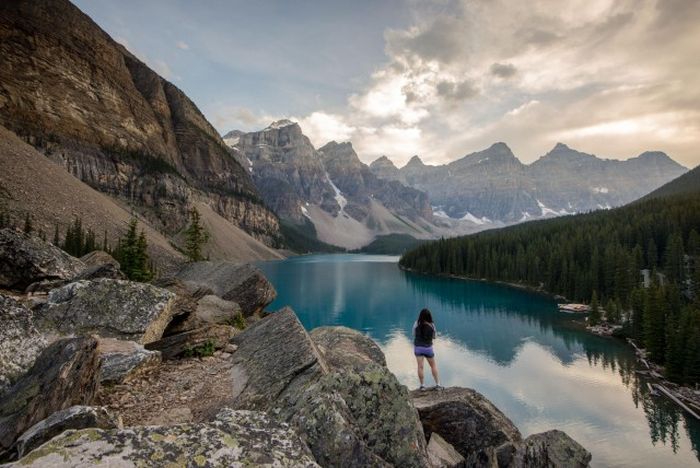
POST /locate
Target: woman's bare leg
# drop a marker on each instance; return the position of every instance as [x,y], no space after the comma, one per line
[433,369]
[419,360]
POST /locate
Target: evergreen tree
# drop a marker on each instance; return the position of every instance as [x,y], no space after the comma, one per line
[195,237]
[56,238]
[594,316]
[131,253]
[28,227]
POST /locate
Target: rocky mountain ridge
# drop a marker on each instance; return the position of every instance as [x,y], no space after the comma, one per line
[265,392]
[329,189]
[70,90]
[494,188]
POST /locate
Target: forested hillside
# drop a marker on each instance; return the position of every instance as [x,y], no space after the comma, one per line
[602,254]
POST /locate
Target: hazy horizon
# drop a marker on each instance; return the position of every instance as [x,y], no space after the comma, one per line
[439,79]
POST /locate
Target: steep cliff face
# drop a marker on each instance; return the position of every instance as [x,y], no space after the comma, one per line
[68,89]
[329,188]
[492,187]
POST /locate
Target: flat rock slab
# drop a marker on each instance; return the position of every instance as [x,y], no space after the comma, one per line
[121,360]
[208,310]
[192,343]
[75,417]
[20,341]
[234,438]
[442,454]
[64,374]
[238,282]
[551,449]
[111,308]
[465,419]
[27,259]
[345,348]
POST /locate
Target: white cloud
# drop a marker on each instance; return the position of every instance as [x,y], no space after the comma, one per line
[182,45]
[322,128]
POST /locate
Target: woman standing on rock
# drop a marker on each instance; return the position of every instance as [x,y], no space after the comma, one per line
[423,336]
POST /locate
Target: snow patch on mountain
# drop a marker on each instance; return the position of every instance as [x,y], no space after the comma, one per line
[279,124]
[600,189]
[471,218]
[339,198]
[548,211]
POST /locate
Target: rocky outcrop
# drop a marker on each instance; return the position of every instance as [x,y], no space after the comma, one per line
[348,417]
[234,438]
[97,258]
[99,265]
[75,417]
[110,308]
[197,342]
[20,341]
[64,374]
[120,360]
[545,450]
[238,282]
[442,454]
[71,91]
[209,310]
[27,259]
[465,419]
[344,348]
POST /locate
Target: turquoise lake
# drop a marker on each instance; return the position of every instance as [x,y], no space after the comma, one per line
[535,363]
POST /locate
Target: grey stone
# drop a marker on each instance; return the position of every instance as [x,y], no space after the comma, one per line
[238,282]
[27,259]
[63,375]
[75,417]
[111,308]
[344,348]
[551,449]
[234,438]
[97,258]
[106,270]
[193,341]
[20,341]
[210,310]
[442,454]
[465,419]
[121,360]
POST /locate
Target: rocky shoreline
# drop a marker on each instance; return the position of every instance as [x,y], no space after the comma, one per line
[192,370]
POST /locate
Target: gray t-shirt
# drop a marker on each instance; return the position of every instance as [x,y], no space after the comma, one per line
[423,339]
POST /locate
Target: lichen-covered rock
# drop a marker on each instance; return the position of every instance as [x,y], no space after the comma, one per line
[551,449]
[360,416]
[27,259]
[345,348]
[194,343]
[111,308]
[75,417]
[63,375]
[20,341]
[120,360]
[442,454]
[234,438]
[97,258]
[238,282]
[465,419]
[209,310]
[99,265]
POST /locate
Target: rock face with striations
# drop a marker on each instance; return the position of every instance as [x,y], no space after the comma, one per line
[20,341]
[110,308]
[120,360]
[64,374]
[345,348]
[26,259]
[70,90]
[238,282]
[234,438]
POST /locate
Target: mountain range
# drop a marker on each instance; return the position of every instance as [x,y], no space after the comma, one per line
[492,187]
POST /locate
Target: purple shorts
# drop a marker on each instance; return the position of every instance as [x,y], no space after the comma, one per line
[425,351]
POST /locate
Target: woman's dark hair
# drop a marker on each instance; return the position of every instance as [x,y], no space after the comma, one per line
[425,316]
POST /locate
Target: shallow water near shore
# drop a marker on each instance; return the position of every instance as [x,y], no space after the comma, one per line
[535,363]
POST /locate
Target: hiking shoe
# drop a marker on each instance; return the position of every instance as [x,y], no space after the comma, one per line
[438,387]
[422,388]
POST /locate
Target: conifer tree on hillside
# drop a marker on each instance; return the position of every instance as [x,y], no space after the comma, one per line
[594,316]
[131,253]
[195,237]
[28,227]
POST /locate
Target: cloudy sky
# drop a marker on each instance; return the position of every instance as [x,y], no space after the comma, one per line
[435,78]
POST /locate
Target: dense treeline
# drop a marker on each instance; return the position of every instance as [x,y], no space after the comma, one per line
[600,256]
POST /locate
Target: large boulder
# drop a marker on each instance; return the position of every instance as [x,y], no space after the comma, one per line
[111,308]
[193,343]
[99,264]
[234,438]
[20,341]
[98,258]
[465,419]
[64,374]
[344,348]
[359,416]
[27,259]
[209,310]
[121,360]
[75,417]
[551,449]
[238,282]
[442,454]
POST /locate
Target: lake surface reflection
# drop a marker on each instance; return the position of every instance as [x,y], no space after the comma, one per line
[535,363]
